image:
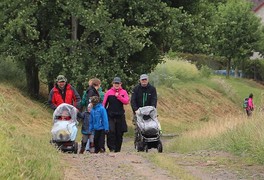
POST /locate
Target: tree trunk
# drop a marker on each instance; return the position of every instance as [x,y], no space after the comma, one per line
[74,28]
[236,72]
[50,80]
[255,70]
[32,78]
[228,67]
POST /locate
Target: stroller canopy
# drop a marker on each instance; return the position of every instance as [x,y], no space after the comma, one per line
[149,111]
[65,112]
[147,120]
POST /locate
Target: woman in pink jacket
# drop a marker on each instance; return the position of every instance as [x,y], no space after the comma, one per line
[250,106]
[114,100]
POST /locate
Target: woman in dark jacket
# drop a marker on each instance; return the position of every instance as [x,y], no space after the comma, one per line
[93,89]
[114,101]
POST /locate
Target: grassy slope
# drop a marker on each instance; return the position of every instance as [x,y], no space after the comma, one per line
[214,119]
[24,139]
[194,103]
[190,109]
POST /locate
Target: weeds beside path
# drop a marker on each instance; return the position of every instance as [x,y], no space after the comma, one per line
[129,164]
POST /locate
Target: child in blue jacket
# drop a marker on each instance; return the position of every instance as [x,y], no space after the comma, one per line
[98,124]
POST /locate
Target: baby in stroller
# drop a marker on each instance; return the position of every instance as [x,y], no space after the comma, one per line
[64,130]
[148,130]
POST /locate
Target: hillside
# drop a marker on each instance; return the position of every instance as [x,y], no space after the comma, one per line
[24,136]
[25,131]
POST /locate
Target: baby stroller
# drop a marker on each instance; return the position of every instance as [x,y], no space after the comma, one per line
[148,130]
[64,130]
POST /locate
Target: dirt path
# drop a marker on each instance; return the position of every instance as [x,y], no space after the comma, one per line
[129,164]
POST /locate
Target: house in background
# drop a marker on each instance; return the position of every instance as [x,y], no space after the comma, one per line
[258,8]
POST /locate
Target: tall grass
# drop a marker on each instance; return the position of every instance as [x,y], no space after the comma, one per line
[237,134]
[175,71]
[24,156]
[246,139]
[189,86]
[25,152]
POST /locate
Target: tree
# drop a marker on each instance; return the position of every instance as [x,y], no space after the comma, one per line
[124,38]
[195,24]
[26,34]
[237,31]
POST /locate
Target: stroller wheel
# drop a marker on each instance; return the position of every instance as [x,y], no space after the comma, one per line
[146,148]
[75,148]
[159,147]
[140,146]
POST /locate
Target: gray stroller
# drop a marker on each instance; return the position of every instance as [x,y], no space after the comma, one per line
[64,129]
[148,130]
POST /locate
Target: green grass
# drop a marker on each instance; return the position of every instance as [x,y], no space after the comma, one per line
[25,151]
[24,156]
[246,139]
[244,87]
[189,105]
[210,127]
[170,164]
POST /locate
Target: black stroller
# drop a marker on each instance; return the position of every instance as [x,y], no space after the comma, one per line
[148,130]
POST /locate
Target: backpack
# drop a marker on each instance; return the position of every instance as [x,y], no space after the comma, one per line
[245,103]
[84,102]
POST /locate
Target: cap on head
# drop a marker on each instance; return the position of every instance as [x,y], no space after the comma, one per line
[61,78]
[117,80]
[143,76]
[94,100]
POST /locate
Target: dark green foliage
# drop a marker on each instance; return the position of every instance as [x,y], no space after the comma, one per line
[237,32]
[107,38]
[12,72]
[124,38]
[254,69]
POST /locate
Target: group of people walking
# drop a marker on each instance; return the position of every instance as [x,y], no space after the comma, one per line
[104,114]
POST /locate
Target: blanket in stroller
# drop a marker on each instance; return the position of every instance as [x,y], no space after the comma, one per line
[147,121]
[64,123]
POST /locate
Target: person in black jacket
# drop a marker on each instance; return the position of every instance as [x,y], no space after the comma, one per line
[94,85]
[143,94]
[114,100]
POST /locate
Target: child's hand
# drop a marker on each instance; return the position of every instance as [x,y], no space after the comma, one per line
[106,131]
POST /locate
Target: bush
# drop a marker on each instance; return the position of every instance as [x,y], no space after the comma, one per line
[12,72]
[213,62]
[174,71]
[205,71]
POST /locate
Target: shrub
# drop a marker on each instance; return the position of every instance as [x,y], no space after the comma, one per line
[174,71]
[12,72]
[205,71]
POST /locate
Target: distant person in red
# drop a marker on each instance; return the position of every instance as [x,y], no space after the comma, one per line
[250,106]
[63,92]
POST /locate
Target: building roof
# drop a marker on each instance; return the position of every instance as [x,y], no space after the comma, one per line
[257,4]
